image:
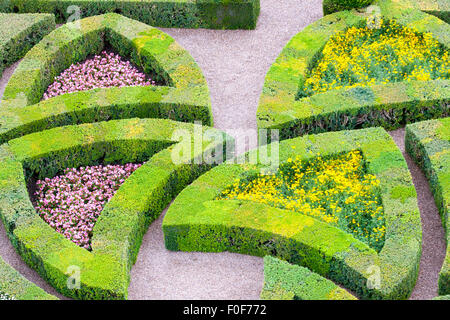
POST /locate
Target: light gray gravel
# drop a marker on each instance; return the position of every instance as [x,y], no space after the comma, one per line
[235,63]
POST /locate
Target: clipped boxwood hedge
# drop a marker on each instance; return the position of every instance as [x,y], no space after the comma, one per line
[438,8]
[118,232]
[19,32]
[15,286]
[285,281]
[390,105]
[197,222]
[331,6]
[428,143]
[184,97]
[214,14]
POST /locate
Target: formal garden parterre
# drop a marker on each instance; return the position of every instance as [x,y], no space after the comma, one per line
[183,96]
[87,123]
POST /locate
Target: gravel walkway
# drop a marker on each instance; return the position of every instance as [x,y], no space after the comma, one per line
[235,63]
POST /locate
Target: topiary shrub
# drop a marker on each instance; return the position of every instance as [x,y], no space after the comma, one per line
[389,105]
[184,97]
[428,143]
[331,6]
[13,286]
[285,281]
[198,221]
[214,14]
[118,232]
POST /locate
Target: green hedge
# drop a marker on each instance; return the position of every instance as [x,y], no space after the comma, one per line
[331,6]
[19,32]
[428,143]
[390,106]
[438,8]
[118,232]
[184,97]
[197,222]
[285,281]
[15,286]
[214,14]
[447,297]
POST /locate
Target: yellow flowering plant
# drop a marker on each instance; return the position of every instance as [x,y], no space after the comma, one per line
[361,56]
[336,190]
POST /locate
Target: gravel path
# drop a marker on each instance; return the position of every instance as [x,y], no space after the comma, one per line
[234,63]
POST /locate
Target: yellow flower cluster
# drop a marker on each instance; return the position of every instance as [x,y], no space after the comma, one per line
[365,56]
[335,190]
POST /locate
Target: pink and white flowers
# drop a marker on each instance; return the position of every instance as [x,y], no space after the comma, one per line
[72,202]
[102,71]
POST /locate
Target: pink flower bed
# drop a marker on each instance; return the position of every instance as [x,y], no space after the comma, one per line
[102,71]
[72,202]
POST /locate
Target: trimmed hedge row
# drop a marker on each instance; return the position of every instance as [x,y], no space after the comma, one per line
[285,281]
[118,232]
[332,6]
[20,32]
[197,222]
[185,96]
[428,143]
[213,14]
[390,106]
[438,8]
[17,287]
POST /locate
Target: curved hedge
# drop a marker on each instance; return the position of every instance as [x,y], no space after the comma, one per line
[438,8]
[389,105]
[15,286]
[197,222]
[118,232]
[285,281]
[185,97]
[19,32]
[331,6]
[428,143]
[214,14]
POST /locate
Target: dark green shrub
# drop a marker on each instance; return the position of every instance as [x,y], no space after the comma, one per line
[214,14]
[20,32]
[331,6]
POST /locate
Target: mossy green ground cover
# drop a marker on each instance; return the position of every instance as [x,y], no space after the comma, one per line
[198,222]
[428,143]
[389,105]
